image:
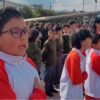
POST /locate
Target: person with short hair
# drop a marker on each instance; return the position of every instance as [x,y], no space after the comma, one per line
[49,58]
[74,74]
[65,40]
[95,25]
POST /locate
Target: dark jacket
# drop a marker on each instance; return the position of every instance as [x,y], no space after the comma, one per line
[49,52]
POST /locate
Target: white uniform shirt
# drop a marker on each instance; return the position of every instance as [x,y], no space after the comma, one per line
[21,75]
[67,89]
[92,83]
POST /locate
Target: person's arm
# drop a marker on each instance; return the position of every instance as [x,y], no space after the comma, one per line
[95,63]
[74,70]
[6,91]
[44,52]
[38,92]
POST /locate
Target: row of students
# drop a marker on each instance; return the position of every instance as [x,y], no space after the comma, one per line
[81,74]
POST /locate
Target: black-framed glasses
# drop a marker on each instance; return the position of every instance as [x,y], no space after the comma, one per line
[18,33]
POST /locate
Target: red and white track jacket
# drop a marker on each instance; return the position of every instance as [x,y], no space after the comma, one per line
[73,76]
[92,83]
[17,78]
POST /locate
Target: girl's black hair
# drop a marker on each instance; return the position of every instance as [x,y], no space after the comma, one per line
[78,37]
[57,28]
[92,25]
[34,35]
[96,39]
[66,25]
[6,14]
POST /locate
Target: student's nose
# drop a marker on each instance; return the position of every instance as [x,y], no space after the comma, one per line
[24,35]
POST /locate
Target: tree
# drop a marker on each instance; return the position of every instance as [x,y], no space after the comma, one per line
[26,12]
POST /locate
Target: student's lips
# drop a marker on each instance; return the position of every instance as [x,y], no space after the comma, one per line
[22,46]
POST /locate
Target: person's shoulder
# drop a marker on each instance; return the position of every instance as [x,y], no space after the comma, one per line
[46,42]
[1,61]
[3,74]
[1,64]
[95,53]
[29,60]
[73,54]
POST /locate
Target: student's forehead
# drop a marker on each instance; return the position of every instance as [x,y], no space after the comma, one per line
[66,27]
[15,22]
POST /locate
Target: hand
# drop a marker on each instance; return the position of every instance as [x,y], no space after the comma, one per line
[39,84]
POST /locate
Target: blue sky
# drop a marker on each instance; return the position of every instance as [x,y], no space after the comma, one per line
[89,5]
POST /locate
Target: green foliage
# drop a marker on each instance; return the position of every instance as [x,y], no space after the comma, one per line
[28,12]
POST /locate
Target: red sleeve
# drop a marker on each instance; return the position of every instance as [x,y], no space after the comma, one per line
[31,62]
[5,89]
[38,95]
[73,69]
[95,63]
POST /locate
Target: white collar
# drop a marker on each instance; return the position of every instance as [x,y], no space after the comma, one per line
[10,58]
[96,51]
[80,54]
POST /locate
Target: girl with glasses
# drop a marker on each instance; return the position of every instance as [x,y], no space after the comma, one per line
[18,76]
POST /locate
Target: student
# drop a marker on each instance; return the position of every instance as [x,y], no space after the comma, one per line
[73,74]
[73,26]
[95,25]
[34,51]
[92,83]
[59,52]
[50,60]
[18,76]
[66,38]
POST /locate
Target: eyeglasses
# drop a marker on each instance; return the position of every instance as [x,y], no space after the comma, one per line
[18,33]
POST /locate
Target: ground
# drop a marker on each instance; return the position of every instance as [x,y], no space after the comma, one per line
[55,97]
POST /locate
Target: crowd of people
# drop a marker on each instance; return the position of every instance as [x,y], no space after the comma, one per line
[38,59]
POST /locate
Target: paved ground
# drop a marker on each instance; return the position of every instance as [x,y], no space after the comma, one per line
[55,97]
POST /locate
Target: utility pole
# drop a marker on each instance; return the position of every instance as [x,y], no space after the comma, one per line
[3,3]
[50,6]
[95,5]
[83,5]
